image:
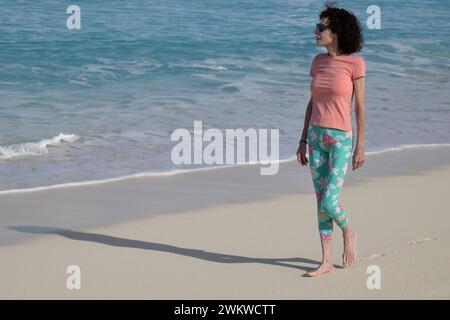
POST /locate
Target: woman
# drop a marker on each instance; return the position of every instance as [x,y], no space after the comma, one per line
[337,76]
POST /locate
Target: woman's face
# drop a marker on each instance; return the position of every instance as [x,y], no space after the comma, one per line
[326,37]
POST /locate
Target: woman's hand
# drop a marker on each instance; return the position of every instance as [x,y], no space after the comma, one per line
[301,154]
[358,158]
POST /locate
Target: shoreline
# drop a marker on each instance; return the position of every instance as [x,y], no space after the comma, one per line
[100,205]
[187,171]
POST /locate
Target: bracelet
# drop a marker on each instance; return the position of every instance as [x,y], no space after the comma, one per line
[303,141]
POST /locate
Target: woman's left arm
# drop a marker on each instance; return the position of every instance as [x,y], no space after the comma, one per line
[358,156]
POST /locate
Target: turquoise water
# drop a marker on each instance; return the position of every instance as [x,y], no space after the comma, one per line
[101,102]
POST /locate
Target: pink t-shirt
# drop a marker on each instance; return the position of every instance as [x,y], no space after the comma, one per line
[332,89]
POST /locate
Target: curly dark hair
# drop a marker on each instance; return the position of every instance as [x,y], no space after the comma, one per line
[346,26]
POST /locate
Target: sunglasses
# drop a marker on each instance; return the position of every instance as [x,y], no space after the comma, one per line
[321,27]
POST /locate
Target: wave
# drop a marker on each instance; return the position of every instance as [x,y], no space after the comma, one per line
[210,66]
[187,171]
[408,146]
[35,148]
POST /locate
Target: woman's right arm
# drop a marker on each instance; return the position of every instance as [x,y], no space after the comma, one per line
[307,118]
[301,152]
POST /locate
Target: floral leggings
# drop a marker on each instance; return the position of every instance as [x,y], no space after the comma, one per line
[329,155]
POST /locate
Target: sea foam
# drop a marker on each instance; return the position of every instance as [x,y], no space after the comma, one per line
[35,148]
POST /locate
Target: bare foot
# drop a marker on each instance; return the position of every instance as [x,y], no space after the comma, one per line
[350,248]
[322,269]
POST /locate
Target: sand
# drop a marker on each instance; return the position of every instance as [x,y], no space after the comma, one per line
[257,249]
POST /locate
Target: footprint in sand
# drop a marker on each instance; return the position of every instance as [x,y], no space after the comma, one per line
[371,256]
[377,255]
[413,242]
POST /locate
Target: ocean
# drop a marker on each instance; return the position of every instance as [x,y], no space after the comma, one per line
[101,102]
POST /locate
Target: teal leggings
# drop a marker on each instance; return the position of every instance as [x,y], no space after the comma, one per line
[329,155]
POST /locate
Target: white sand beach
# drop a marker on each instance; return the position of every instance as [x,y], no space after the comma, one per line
[244,250]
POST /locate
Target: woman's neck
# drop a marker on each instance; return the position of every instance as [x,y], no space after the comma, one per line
[333,50]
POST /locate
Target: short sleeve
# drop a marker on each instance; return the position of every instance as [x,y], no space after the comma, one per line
[360,69]
[312,70]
